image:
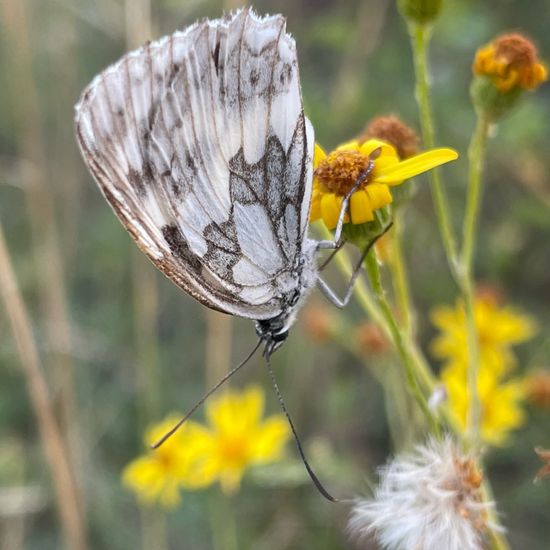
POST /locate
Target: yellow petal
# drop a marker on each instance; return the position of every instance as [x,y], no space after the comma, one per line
[383,163]
[379,195]
[315,210]
[352,145]
[270,439]
[360,208]
[251,407]
[372,144]
[331,205]
[318,155]
[415,165]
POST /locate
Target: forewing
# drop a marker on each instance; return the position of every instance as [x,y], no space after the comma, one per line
[200,145]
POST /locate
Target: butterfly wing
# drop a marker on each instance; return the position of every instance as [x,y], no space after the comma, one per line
[200,144]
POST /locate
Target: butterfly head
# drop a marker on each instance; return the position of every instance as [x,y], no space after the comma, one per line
[273,332]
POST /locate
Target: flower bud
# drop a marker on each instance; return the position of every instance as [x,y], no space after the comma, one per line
[371,339]
[503,70]
[317,322]
[538,389]
[420,11]
[392,130]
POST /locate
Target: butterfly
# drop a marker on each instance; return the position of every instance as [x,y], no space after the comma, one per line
[200,144]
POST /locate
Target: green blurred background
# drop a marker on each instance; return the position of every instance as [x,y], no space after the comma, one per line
[121,346]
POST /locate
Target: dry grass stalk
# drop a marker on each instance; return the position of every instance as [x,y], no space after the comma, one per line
[41,215]
[68,500]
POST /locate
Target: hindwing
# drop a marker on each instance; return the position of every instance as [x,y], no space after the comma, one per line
[199,143]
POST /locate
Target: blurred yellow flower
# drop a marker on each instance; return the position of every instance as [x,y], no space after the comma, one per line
[335,174]
[510,61]
[499,328]
[158,476]
[238,438]
[501,401]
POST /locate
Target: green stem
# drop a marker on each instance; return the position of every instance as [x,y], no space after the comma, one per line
[476,154]
[420,38]
[370,307]
[409,364]
[399,277]
[223,524]
[498,540]
[154,529]
[360,290]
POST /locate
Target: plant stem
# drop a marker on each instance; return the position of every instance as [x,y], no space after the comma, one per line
[57,456]
[498,540]
[409,364]
[420,37]
[476,154]
[399,276]
[370,307]
[41,204]
[223,524]
[360,290]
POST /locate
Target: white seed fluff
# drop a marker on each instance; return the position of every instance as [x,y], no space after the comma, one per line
[426,500]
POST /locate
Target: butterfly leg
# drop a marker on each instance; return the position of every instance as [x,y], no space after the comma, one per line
[336,243]
[330,294]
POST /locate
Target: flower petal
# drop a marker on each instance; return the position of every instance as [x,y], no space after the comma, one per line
[415,165]
[360,208]
[270,440]
[318,155]
[372,144]
[315,209]
[379,195]
[331,205]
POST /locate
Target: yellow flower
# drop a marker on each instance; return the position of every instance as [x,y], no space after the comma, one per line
[238,437]
[159,475]
[501,401]
[499,328]
[510,61]
[335,174]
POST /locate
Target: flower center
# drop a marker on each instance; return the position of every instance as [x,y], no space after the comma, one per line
[234,450]
[516,50]
[166,459]
[339,171]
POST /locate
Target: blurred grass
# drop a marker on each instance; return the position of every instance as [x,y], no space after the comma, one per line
[118,317]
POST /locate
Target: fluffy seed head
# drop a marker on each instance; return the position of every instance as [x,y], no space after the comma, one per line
[429,499]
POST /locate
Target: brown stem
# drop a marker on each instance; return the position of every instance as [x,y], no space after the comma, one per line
[66,490]
[39,197]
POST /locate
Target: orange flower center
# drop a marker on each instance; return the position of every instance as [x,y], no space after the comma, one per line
[165,458]
[340,170]
[518,52]
[234,450]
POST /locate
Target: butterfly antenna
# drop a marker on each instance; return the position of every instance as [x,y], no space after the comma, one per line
[170,433]
[310,471]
